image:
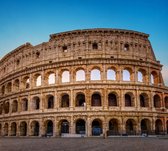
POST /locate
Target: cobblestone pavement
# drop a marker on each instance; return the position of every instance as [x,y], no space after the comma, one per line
[84,144]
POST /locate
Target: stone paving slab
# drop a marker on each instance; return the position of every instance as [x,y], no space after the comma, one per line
[84,144]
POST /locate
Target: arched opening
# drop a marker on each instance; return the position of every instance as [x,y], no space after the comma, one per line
[65,100]
[80,126]
[113,127]
[3,90]
[144,100]
[166,102]
[94,45]
[64,126]
[6,129]
[96,127]
[96,99]
[23,129]
[154,77]
[49,128]
[16,85]
[50,102]
[9,87]
[112,99]
[157,101]
[0,130]
[65,76]
[6,107]
[38,80]
[26,82]
[80,75]
[13,129]
[145,126]
[129,100]
[14,106]
[1,108]
[140,76]
[80,99]
[126,47]
[35,127]
[95,74]
[111,74]
[24,104]
[158,127]
[126,75]
[130,127]
[51,78]
[36,103]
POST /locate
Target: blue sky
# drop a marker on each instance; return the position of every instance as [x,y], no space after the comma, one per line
[33,21]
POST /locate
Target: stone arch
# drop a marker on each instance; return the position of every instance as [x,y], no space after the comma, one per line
[97,127]
[65,100]
[65,76]
[158,127]
[141,75]
[111,74]
[50,78]
[49,127]
[157,101]
[6,127]
[127,74]
[144,100]
[49,101]
[23,128]
[131,127]
[129,99]
[24,104]
[154,78]
[16,85]
[3,90]
[1,109]
[14,106]
[26,82]
[113,127]
[6,107]
[13,129]
[64,126]
[166,102]
[9,87]
[80,74]
[95,74]
[35,103]
[37,79]
[145,126]
[80,126]
[35,128]
[0,129]
[112,99]
[80,99]
[96,99]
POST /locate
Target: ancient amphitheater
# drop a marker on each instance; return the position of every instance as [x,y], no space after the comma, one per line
[83,82]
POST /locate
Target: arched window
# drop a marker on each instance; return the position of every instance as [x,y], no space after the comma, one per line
[166,102]
[64,125]
[129,100]
[36,103]
[140,76]
[50,102]
[26,82]
[35,128]
[126,47]
[13,129]
[23,129]
[80,99]
[96,127]
[112,99]
[95,74]
[49,127]
[113,127]
[6,127]
[16,85]
[96,99]
[65,100]
[126,75]
[145,126]
[154,77]
[14,106]
[80,75]
[111,74]
[157,101]
[3,90]
[38,80]
[144,100]
[94,45]
[24,104]
[158,127]
[80,126]
[6,107]
[51,78]
[9,87]
[65,76]
[131,127]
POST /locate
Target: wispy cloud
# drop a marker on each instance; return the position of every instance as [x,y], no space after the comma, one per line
[165,74]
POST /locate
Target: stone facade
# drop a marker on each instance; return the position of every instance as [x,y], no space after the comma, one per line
[89,82]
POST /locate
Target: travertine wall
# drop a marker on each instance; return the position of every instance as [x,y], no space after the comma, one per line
[31,103]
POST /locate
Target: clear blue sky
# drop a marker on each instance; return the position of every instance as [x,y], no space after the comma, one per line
[33,21]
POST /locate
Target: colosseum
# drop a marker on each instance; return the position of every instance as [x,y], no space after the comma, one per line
[92,82]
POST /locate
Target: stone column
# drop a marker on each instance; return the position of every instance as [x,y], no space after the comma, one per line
[71,100]
[89,128]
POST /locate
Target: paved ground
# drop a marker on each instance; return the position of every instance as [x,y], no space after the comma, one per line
[83,144]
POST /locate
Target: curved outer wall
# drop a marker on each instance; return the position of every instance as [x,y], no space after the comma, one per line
[112,84]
